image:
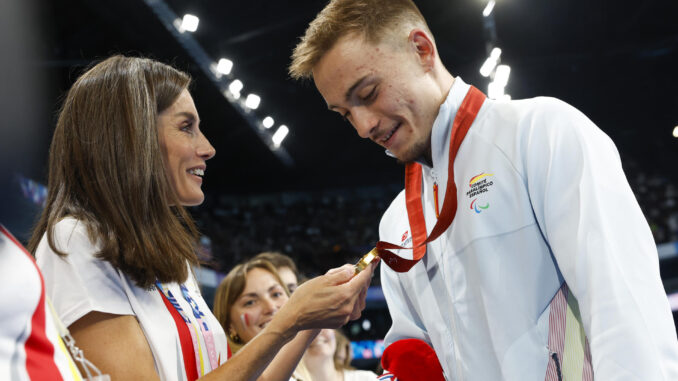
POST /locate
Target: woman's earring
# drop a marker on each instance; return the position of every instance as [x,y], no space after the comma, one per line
[233,336]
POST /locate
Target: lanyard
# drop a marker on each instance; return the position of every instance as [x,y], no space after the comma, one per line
[466,114]
[192,329]
[204,328]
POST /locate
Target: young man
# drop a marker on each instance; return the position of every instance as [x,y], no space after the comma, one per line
[548,270]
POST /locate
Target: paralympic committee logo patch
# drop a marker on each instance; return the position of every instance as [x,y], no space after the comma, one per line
[478,186]
[477,207]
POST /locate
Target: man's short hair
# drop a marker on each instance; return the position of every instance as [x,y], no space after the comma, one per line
[278,260]
[371,19]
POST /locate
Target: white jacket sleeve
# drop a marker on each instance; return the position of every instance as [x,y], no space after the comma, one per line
[405,324]
[601,242]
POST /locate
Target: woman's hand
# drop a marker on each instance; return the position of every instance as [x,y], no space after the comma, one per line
[328,301]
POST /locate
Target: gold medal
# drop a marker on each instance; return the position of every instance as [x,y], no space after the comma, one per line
[366,260]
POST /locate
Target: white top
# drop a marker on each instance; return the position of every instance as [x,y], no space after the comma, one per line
[80,283]
[359,375]
[30,347]
[542,201]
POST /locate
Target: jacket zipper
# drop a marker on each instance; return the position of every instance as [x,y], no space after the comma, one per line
[559,373]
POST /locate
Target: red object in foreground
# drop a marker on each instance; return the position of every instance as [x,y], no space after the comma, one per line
[412,360]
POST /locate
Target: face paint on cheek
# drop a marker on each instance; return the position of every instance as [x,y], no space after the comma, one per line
[245,320]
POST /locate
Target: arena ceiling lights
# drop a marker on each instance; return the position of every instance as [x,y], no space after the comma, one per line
[268,122]
[222,76]
[189,23]
[499,74]
[488,9]
[280,134]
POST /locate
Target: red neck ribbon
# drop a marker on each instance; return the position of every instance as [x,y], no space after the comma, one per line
[415,212]
[187,349]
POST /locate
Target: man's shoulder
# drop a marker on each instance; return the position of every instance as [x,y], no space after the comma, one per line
[395,209]
[544,109]
[511,125]
[522,109]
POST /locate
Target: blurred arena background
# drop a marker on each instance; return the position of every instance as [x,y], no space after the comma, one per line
[317,194]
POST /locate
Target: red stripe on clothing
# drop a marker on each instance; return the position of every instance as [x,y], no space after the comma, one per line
[557,320]
[40,363]
[187,351]
[587,372]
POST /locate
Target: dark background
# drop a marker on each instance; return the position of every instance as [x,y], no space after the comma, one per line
[614,60]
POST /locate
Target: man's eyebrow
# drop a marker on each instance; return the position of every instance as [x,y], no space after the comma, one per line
[350,90]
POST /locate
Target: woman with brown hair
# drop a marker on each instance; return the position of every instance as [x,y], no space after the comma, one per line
[115,242]
[246,301]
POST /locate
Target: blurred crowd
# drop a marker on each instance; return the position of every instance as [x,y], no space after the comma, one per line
[318,230]
[657,195]
[321,230]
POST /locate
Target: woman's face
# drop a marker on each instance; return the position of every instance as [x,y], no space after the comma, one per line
[323,345]
[260,300]
[185,149]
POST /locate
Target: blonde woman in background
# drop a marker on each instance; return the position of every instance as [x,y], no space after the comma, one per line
[245,303]
[322,361]
[343,354]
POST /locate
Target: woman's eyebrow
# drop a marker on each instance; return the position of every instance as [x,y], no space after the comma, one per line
[250,295]
[187,114]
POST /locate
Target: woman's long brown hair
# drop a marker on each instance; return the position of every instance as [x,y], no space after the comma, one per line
[107,170]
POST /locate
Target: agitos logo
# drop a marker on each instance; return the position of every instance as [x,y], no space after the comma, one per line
[475,206]
[478,185]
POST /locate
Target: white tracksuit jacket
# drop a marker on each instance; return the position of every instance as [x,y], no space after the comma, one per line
[544,215]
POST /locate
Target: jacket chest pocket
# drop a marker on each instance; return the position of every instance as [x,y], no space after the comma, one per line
[490,201]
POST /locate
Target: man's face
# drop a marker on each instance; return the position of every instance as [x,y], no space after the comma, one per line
[383,90]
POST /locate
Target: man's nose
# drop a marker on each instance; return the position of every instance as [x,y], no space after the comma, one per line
[365,122]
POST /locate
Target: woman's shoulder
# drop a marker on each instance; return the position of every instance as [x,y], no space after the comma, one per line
[70,236]
[68,226]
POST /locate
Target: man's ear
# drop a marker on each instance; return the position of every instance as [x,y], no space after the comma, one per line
[423,46]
